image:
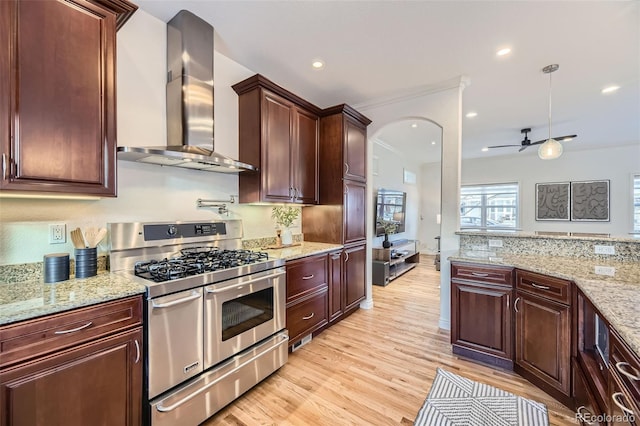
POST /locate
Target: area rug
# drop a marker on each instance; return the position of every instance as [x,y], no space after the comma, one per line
[455,400]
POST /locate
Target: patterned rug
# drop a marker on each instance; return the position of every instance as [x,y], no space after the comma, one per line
[454,400]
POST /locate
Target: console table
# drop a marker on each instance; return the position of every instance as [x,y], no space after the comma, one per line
[390,263]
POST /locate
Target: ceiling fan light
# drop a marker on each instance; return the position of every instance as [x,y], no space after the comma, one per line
[550,150]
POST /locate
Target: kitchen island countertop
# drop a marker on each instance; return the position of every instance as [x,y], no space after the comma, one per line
[306,248]
[612,286]
[31,299]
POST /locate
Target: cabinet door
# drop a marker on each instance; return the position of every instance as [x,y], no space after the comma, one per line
[94,384]
[354,276]
[276,140]
[622,411]
[481,318]
[336,294]
[355,150]
[543,339]
[57,97]
[355,217]
[587,409]
[305,158]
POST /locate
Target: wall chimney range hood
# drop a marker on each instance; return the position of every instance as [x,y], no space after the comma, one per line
[190,135]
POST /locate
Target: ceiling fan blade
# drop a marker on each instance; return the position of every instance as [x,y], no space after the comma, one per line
[524,147]
[558,138]
[501,146]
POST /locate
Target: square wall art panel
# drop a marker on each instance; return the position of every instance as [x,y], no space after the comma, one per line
[552,201]
[590,201]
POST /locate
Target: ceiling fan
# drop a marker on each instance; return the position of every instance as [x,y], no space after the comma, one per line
[551,147]
[526,142]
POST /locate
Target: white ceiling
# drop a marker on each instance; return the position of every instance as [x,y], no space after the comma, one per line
[374,49]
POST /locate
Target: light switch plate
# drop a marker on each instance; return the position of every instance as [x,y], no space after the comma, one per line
[495,243]
[605,270]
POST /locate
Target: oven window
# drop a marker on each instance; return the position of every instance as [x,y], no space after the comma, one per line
[246,312]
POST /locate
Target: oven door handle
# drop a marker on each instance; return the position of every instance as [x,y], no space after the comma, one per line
[194,296]
[239,286]
[192,395]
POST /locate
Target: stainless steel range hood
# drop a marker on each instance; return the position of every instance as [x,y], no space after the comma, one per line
[190,136]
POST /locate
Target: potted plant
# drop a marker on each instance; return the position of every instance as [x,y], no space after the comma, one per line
[389,228]
[284,216]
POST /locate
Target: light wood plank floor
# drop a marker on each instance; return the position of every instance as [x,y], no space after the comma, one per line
[374,367]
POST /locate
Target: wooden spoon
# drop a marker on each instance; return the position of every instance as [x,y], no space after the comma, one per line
[78,239]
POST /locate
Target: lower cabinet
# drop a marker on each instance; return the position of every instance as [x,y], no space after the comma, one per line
[587,409]
[481,322]
[624,383]
[543,333]
[95,382]
[355,270]
[336,295]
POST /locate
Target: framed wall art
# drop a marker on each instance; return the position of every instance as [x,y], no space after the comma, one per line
[590,201]
[552,201]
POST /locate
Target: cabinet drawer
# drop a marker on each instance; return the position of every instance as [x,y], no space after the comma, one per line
[307,316]
[305,276]
[482,273]
[626,366]
[542,285]
[29,339]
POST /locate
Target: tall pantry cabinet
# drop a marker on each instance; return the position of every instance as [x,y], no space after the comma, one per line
[341,216]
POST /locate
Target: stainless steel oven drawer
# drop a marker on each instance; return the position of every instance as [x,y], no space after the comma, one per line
[200,398]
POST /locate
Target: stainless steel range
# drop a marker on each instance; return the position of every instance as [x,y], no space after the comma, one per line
[215,314]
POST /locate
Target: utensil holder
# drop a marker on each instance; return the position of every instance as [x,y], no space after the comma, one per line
[56,267]
[86,262]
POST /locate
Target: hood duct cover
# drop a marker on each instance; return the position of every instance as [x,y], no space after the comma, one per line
[189,103]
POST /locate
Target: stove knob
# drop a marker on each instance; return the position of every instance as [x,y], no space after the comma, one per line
[172,231]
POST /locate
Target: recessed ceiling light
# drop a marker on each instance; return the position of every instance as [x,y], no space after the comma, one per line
[433,142]
[610,89]
[317,64]
[414,125]
[471,114]
[503,52]
[485,149]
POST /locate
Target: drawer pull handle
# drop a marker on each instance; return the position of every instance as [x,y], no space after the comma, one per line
[615,397]
[73,330]
[583,417]
[308,277]
[479,274]
[633,376]
[4,166]
[541,287]
[346,168]
[515,304]
[308,317]
[137,351]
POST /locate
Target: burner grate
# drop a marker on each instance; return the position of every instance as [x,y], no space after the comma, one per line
[194,261]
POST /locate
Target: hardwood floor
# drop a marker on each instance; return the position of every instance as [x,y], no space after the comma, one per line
[374,367]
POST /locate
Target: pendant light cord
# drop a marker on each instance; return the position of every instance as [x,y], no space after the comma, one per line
[550,105]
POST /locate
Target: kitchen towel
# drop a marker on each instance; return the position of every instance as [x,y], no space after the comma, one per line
[455,400]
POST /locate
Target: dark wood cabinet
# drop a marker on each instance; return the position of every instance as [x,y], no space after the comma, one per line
[355,150]
[58,95]
[355,268]
[74,374]
[336,294]
[279,134]
[355,217]
[481,321]
[307,296]
[543,333]
[588,410]
[624,382]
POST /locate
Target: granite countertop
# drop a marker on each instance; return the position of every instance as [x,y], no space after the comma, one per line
[612,286]
[585,236]
[30,299]
[306,248]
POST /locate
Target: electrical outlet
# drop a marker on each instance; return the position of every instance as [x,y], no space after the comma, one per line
[57,233]
[605,249]
[605,270]
[495,243]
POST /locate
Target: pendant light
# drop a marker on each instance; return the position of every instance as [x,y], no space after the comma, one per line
[551,148]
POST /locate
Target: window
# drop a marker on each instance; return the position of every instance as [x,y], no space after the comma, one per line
[489,206]
[636,203]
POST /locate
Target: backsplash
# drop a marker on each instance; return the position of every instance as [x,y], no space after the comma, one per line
[626,249]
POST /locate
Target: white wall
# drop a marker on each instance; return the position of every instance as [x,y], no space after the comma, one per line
[391,167]
[616,164]
[430,207]
[145,192]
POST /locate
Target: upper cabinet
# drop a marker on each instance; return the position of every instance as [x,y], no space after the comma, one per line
[279,133]
[57,95]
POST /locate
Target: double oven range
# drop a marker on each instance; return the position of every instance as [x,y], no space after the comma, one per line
[214,314]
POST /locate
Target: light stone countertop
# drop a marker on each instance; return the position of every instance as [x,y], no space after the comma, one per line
[617,297]
[31,299]
[574,236]
[305,249]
